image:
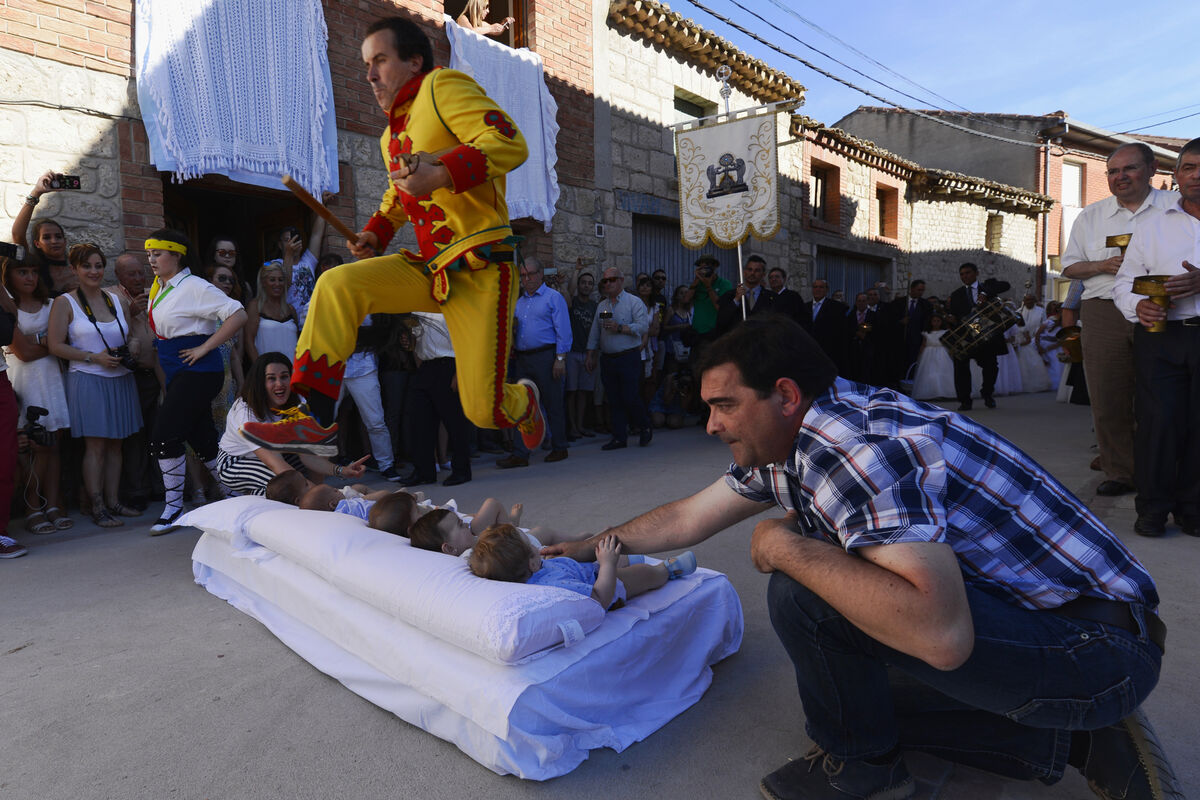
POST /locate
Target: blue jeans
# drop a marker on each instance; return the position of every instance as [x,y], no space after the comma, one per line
[1032,678]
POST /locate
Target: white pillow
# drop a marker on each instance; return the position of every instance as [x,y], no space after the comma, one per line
[228,518]
[500,621]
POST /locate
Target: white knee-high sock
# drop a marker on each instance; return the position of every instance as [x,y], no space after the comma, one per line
[211,466]
[173,472]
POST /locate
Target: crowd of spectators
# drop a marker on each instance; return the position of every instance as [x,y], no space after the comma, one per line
[147,391]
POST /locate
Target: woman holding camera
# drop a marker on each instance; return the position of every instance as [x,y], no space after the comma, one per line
[46,248]
[88,328]
[191,319]
[38,382]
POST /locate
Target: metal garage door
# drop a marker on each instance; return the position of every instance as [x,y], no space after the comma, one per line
[850,272]
[656,246]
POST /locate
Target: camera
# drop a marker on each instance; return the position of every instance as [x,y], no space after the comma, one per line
[13,251]
[36,431]
[60,182]
[706,272]
[122,354]
[605,315]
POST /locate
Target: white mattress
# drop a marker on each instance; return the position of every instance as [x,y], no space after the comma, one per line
[642,666]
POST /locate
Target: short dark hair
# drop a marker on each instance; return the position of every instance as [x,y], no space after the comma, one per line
[407,38]
[286,487]
[780,270]
[582,274]
[80,253]
[758,258]
[768,347]
[188,260]
[392,514]
[914,284]
[424,532]
[34,253]
[967,264]
[254,390]
[1191,147]
[1142,149]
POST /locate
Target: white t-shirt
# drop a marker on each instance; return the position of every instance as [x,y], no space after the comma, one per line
[232,441]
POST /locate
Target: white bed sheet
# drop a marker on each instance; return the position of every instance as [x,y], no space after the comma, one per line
[537,720]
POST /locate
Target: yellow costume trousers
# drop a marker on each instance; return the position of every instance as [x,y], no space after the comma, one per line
[479,317]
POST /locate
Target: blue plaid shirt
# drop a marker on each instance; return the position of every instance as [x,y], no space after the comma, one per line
[873,467]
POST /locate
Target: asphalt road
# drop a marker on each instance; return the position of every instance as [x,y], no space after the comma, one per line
[121,678]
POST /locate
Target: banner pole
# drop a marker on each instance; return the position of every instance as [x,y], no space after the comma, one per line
[723,73]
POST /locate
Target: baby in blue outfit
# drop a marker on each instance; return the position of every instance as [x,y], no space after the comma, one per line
[502,553]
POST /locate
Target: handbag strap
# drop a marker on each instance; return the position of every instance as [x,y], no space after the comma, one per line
[87,311]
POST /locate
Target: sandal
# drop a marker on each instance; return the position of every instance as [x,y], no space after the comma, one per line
[37,523]
[104,519]
[61,522]
[120,510]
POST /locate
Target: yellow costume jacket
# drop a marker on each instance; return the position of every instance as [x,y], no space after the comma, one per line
[446,113]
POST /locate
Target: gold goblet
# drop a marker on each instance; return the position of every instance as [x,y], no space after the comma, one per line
[1120,240]
[1068,337]
[1154,287]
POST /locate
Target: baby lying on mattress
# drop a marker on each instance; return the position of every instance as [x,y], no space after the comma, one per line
[444,530]
[504,553]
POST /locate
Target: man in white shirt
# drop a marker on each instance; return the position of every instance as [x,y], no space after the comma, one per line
[621,322]
[1107,336]
[1167,450]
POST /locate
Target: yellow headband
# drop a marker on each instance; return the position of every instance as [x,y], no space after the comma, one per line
[163,244]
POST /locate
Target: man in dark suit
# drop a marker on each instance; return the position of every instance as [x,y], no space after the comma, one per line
[864,340]
[759,299]
[961,305]
[912,313]
[788,302]
[825,319]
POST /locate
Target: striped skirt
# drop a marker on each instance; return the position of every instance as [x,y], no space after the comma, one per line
[248,474]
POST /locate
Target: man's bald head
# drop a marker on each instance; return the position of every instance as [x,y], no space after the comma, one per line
[130,269]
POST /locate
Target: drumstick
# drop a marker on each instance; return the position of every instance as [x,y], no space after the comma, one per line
[318,207]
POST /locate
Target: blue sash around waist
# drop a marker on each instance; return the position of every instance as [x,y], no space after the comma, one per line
[172,363]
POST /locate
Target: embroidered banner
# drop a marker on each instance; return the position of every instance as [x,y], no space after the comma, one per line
[728,181]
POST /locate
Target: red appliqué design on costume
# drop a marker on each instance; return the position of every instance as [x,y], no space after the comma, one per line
[428,220]
[504,315]
[467,166]
[500,122]
[317,376]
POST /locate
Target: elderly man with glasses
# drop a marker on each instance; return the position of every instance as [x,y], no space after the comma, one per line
[621,322]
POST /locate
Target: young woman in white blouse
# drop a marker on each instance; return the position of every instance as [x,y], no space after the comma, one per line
[89,327]
[190,319]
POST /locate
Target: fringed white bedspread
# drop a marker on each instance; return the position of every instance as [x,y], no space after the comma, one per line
[238,87]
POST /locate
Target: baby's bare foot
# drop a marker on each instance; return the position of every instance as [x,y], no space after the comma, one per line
[515,513]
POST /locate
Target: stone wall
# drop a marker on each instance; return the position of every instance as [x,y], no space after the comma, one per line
[34,139]
[948,232]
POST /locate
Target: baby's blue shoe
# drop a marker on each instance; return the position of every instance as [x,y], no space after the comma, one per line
[680,565]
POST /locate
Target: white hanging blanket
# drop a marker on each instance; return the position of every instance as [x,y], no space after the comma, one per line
[239,88]
[515,79]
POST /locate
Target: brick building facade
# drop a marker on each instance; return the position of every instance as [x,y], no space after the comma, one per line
[621,73]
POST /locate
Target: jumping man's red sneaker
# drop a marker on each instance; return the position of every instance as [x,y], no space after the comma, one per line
[533,427]
[297,432]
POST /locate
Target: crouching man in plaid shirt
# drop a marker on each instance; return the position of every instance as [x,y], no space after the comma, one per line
[935,588]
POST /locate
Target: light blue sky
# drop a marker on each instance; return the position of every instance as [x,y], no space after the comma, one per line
[1105,63]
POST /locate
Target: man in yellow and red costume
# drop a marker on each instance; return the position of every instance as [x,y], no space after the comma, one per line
[447,148]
